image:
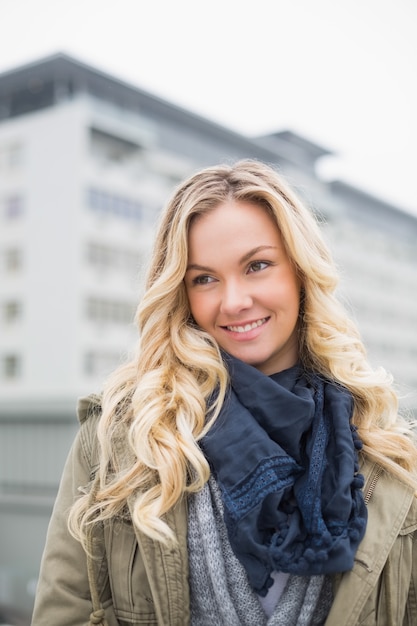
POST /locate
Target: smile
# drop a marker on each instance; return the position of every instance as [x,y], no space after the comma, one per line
[247,327]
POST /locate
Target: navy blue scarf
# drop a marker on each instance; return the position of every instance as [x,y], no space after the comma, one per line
[284,454]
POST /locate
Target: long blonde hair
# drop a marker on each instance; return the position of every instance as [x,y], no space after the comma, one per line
[157,407]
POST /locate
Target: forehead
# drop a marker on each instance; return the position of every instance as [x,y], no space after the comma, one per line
[234,212]
[233,225]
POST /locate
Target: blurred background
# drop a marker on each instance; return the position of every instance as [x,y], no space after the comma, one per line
[104,108]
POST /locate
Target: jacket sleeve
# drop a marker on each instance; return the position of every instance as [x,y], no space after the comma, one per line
[411,607]
[63,595]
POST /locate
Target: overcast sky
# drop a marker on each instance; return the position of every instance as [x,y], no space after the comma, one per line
[340,72]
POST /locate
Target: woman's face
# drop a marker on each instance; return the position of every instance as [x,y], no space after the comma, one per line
[242,288]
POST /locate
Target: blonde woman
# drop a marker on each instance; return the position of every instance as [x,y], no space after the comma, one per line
[248,466]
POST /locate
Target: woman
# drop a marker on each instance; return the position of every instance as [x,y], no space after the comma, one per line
[247,466]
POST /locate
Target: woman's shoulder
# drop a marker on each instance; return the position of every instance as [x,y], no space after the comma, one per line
[89,406]
[89,413]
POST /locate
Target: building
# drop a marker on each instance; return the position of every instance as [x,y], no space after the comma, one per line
[86,162]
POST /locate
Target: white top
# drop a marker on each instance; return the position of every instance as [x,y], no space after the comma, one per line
[270,601]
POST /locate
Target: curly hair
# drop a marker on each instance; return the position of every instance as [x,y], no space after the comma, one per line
[157,407]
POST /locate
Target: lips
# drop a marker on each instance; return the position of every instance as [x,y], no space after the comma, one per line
[246,327]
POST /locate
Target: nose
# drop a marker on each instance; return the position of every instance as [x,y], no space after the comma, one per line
[235,298]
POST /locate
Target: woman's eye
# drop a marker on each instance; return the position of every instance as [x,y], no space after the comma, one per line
[202,280]
[257,266]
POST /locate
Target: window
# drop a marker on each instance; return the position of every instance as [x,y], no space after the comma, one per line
[13,207]
[106,203]
[11,311]
[105,258]
[11,157]
[130,261]
[100,256]
[11,366]
[12,260]
[109,149]
[15,156]
[97,363]
[110,311]
[3,159]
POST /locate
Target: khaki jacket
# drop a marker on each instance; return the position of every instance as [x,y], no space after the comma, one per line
[142,582]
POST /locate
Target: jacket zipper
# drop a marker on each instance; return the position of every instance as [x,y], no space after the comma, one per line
[372,484]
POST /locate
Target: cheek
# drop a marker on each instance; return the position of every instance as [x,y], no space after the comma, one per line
[287,297]
[199,307]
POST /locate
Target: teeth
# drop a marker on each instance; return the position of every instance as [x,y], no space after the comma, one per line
[247,327]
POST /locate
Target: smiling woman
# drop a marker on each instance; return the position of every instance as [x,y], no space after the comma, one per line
[248,466]
[242,287]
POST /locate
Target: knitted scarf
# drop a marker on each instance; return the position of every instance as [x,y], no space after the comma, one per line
[219,588]
[284,454]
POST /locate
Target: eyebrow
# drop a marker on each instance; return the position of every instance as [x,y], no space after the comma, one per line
[242,260]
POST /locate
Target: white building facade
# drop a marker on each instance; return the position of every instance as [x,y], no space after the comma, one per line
[86,162]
